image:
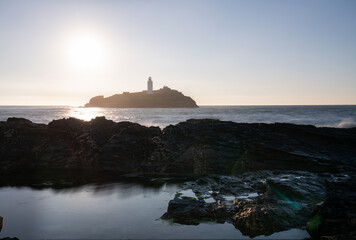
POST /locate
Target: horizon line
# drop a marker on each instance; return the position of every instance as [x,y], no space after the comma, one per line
[202,105]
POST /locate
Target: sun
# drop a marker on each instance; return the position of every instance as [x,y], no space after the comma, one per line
[86,53]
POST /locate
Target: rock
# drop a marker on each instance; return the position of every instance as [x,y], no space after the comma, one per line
[254,219]
[130,149]
[256,203]
[335,218]
[1,218]
[211,146]
[187,210]
[19,121]
[191,148]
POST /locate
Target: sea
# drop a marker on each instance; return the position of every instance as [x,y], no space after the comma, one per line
[130,210]
[340,116]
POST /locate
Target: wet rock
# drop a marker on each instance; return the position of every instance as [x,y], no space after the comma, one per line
[254,219]
[335,218]
[187,210]
[256,203]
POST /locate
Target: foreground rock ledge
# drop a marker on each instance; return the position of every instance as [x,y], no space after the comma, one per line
[266,202]
[314,168]
[191,148]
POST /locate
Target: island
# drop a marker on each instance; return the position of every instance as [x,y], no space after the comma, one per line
[162,98]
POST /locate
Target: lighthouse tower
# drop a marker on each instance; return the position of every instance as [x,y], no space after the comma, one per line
[149,86]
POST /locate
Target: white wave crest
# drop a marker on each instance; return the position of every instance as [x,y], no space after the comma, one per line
[347,123]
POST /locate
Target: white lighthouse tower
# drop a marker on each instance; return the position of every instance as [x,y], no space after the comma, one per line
[149,86]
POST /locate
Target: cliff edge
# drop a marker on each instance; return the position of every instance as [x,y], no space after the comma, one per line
[162,98]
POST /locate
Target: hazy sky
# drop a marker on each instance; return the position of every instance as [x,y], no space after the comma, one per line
[218,52]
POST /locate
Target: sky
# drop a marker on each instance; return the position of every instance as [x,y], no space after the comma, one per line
[221,52]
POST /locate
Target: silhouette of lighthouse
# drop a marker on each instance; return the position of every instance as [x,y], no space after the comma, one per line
[149,86]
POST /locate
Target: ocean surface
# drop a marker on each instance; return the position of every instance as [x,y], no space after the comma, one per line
[321,116]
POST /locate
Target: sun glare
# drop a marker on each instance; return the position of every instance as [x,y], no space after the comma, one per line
[86,53]
[85,114]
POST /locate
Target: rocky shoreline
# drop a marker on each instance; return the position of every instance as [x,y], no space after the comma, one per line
[192,148]
[262,178]
[265,202]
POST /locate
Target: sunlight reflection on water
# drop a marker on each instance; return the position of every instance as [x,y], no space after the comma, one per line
[86,114]
[330,116]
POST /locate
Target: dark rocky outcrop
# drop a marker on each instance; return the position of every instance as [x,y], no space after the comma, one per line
[191,148]
[295,173]
[257,203]
[265,202]
[74,144]
[162,98]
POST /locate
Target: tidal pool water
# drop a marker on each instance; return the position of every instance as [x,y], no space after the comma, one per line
[105,211]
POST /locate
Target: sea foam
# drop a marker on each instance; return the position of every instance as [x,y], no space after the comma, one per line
[347,123]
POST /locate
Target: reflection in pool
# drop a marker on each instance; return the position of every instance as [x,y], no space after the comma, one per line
[117,210]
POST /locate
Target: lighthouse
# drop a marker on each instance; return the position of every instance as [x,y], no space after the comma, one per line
[149,86]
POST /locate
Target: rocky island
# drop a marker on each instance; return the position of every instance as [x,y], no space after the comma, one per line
[162,98]
[262,178]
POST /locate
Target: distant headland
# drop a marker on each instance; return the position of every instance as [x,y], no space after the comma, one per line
[162,98]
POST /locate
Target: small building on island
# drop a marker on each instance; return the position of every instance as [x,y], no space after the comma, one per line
[149,86]
[161,98]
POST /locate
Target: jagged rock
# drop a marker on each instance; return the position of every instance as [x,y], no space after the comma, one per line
[191,148]
[256,203]
[254,219]
[213,146]
[187,210]
[128,151]
[335,218]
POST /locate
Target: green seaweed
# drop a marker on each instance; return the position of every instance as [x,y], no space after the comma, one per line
[314,222]
[178,194]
